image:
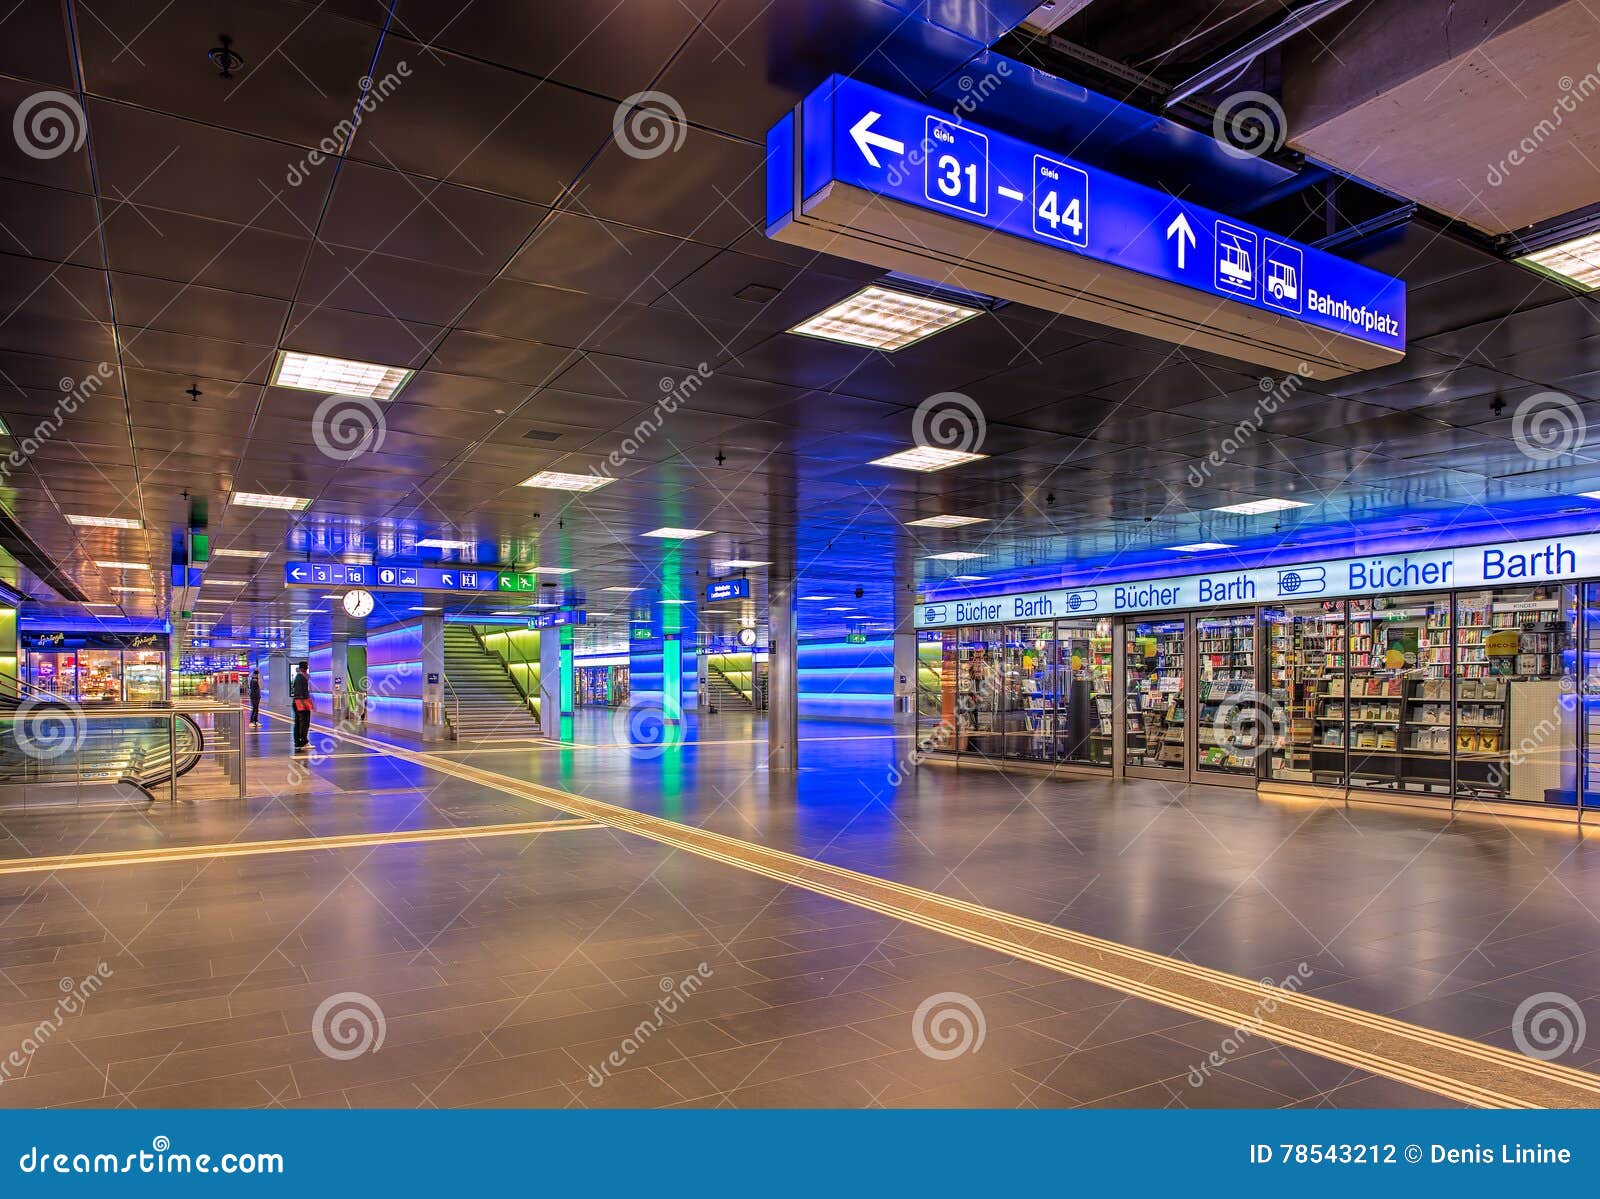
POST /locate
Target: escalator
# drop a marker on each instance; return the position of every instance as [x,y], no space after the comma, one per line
[50,746]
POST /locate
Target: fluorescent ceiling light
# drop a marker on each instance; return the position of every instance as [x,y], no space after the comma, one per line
[425,609]
[124,565]
[332,595]
[227,582]
[551,570]
[968,578]
[1257,507]
[819,597]
[945,522]
[99,604]
[338,376]
[926,458]
[218,601]
[954,556]
[239,553]
[556,480]
[679,601]
[442,543]
[880,319]
[838,609]
[675,534]
[135,590]
[256,499]
[1199,547]
[1576,262]
[1590,495]
[106,522]
[621,589]
[741,564]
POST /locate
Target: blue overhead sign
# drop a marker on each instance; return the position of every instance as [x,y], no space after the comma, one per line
[854,134]
[727,589]
[550,620]
[392,578]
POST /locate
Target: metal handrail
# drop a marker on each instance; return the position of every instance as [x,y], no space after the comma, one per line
[528,699]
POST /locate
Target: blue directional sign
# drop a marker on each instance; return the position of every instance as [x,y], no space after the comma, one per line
[727,589]
[551,620]
[390,578]
[857,135]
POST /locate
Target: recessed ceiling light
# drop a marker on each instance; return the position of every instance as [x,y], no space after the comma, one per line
[556,480]
[740,564]
[946,522]
[124,565]
[969,578]
[1576,262]
[1200,547]
[256,499]
[1590,495]
[677,601]
[880,319]
[954,556]
[223,602]
[671,533]
[105,522]
[820,598]
[926,458]
[135,590]
[338,376]
[621,589]
[442,543]
[100,604]
[838,609]
[332,595]
[424,608]
[550,570]
[227,582]
[239,553]
[1257,507]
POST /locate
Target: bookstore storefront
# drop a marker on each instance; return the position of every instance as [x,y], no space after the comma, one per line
[1476,692]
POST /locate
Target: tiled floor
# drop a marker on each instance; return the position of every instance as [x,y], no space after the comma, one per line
[508,970]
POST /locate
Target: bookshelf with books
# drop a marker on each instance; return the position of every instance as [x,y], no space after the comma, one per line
[1306,643]
[1227,730]
[1155,721]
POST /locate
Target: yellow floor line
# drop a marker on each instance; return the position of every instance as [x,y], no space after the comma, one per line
[240,849]
[1457,1068]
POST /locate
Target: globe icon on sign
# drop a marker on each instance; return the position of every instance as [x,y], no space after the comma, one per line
[1289,581]
[1074,602]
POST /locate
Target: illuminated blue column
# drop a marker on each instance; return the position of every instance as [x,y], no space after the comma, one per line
[783,680]
[905,652]
[556,698]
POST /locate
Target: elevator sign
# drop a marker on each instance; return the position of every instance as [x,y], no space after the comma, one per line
[1547,560]
[865,138]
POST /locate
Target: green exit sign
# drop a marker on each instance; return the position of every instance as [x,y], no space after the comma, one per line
[855,638]
[643,634]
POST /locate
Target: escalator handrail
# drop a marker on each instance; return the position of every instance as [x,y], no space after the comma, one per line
[188,761]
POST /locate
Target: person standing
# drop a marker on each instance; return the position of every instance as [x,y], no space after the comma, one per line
[300,693]
[255,697]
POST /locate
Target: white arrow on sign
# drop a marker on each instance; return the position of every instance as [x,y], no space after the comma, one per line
[1180,226]
[297,573]
[865,139]
[449,580]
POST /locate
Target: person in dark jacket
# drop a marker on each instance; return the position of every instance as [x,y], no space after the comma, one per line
[255,697]
[300,693]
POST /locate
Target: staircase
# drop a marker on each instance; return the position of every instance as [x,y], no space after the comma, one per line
[724,696]
[481,700]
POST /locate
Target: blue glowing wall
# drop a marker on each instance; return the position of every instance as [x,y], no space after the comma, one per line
[395,676]
[843,681]
[662,669]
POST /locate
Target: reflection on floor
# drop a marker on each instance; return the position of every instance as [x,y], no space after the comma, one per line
[518,970]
